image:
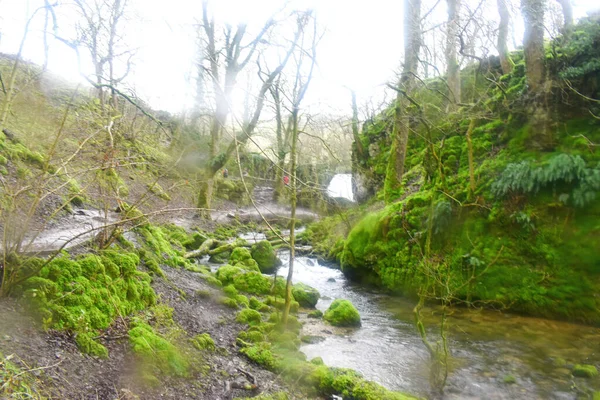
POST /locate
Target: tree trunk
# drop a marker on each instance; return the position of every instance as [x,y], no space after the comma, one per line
[535,72]
[505,61]
[412,46]
[453,71]
[567,9]
[533,42]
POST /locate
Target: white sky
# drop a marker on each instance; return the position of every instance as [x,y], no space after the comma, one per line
[361,49]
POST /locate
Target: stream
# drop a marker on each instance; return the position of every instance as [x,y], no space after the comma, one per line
[486,346]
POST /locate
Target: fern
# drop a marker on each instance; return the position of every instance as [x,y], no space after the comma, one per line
[568,174]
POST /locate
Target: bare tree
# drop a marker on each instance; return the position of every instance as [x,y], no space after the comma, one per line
[100,32]
[301,85]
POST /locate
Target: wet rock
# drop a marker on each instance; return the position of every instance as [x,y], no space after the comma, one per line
[331,280]
[311,339]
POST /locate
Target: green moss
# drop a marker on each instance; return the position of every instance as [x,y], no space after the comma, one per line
[252,336]
[241,257]
[315,314]
[227,272]
[317,361]
[342,313]
[305,295]
[249,316]
[230,291]
[585,371]
[204,342]
[242,300]
[88,293]
[229,302]
[265,256]
[88,345]
[203,293]
[252,282]
[261,354]
[157,351]
[509,379]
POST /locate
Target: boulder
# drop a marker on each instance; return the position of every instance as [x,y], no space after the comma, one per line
[305,295]
[263,253]
[342,313]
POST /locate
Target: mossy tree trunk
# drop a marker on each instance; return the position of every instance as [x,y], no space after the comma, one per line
[401,129]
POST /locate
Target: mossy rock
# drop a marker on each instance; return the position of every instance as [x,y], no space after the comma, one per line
[252,282]
[241,257]
[204,342]
[226,273]
[315,314]
[249,316]
[88,345]
[342,313]
[263,253]
[317,361]
[585,371]
[305,295]
[509,379]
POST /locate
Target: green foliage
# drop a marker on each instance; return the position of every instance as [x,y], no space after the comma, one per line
[305,295]
[16,383]
[263,253]
[566,175]
[204,342]
[342,313]
[315,314]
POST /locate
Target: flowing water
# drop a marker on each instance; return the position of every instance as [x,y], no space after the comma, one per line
[486,346]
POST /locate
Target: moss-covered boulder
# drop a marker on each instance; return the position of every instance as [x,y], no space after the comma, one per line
[342,313]
[306,295]
[241,257]
[265,256]
[585,371]
[252,282]
[226,273]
